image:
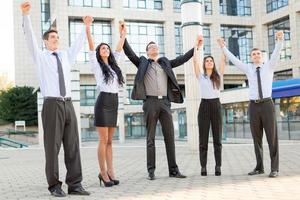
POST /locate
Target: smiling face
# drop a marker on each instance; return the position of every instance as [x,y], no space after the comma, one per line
[104,51]
[209,63]
[152,49]
[256,56]
[51,40]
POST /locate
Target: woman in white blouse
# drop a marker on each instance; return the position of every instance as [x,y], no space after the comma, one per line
[209,113]
[109,78]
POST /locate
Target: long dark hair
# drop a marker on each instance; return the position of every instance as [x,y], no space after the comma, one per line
[214,77]
[108,75]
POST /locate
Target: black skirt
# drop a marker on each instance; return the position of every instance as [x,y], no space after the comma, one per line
[106,110]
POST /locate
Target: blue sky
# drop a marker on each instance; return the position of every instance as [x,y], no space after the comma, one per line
[7,39]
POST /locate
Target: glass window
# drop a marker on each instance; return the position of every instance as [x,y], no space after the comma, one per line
[88,95]
[235,8]
[282,25]
[273,5]
[143,4]
[207,8]
[283,75]
[239,41]
[101,32]
[141,33]
[45,17]
[178,39]
[90,3]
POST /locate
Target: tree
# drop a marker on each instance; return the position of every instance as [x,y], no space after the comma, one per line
[19,103]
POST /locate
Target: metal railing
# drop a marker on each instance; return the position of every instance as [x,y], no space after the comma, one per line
[11,143]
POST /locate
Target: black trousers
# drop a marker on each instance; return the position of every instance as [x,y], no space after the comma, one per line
[210,115]
[154,110]
[60,126]
[262,116]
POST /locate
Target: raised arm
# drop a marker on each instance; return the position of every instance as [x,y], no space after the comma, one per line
[127,49]
[74,49]
[123,33]
[196,58]
[28,32]
[222,64]
[276,52]
[182,59]
[89,20]
[242,66]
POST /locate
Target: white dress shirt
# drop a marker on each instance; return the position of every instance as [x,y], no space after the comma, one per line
[266,72]
[113,85]
[47,63]
[207,89]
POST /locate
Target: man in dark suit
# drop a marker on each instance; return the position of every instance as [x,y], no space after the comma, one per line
[156,85]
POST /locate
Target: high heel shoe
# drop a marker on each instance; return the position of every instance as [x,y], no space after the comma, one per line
[106,184]
[116,182]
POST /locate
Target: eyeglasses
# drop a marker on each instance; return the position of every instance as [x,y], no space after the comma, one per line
[152,46]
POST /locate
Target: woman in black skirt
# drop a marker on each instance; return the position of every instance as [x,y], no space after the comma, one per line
[209,113]
[109,78]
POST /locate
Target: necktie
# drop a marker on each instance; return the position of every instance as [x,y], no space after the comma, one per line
[259,83]
[62,87]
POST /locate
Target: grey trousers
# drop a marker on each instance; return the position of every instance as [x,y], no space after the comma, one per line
[154,110]
[60,126]
[262,116]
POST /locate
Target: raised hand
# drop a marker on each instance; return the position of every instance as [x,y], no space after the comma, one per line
[122,29]
[279,35]
[88,20]
[25,7]
[199,41]
[221,42]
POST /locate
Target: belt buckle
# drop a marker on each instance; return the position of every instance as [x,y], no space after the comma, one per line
[160,97]
[257,101]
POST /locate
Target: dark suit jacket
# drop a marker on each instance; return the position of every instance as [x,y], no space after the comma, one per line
[142,63]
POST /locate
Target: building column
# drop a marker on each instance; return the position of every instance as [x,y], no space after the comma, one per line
[191,14]
[294,19]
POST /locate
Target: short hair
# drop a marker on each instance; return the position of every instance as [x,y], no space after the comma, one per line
[46,34]
[149,44]
[255,49]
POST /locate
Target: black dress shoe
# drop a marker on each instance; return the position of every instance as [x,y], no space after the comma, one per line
[273,174]
[58,192]
[256,172]
[78,191]
[151,176]
[177,175]
[203,171]
[218,171]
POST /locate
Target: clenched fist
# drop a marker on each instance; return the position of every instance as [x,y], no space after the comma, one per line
[122,29]
[25,7]
[221,42]
[88,20]
[199,41]
[279,35]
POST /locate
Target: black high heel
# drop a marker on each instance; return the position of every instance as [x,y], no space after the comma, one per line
[106,184]
[116,182]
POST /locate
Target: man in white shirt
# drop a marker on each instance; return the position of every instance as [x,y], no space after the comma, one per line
[58,115]
[261,107]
